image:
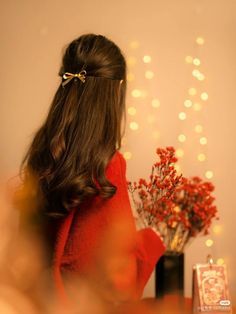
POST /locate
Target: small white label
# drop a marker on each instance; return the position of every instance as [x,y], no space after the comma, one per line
[225,302]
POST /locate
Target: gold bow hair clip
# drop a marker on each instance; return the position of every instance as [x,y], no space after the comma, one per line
[69,76]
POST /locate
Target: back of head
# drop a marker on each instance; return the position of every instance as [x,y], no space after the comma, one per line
[69,153]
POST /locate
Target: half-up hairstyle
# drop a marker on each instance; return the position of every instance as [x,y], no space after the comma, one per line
[69,153]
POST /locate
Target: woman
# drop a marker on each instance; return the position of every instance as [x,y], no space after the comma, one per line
[79,176]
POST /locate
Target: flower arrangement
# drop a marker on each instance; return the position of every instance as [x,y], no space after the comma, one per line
[178,208]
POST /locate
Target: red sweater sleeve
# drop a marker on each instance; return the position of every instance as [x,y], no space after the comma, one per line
[99,240]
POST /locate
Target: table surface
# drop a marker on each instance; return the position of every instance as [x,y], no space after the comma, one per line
[170,304]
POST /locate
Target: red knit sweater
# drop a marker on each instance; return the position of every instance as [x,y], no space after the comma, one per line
[99,241]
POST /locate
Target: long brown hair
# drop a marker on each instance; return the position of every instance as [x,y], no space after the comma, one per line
[70,151]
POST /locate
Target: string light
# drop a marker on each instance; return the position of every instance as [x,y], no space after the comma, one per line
[189,59]
[182,115]
[201,77]
[200,41]
[198,128]
[204,96]
[203,140]
[132,111]
[130,77]
[149,74]
[209,174]
[134,44]
[155,103]
[179,152]
[147,59]
[197,106]
[131,61]
[192,91]
[134,126]
[209,242]
[178,169]
[127,155]
[151,119]
[201,157]
[156,134]
[182,138]
[196,72]
[188,103]
[136,93]
[217,229]
[196,61]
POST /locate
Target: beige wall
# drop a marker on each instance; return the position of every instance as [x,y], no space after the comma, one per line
[32,36]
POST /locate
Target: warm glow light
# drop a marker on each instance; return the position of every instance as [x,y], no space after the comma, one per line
[156,134]
[134,44]
[136,93]
[131,61]
[179,152]
[196,61]
[143,93]
[201,77]
[217,229]
[151,119]
[203,140]
[134,126]
[198,128]
[209,242]
[196,72]
[192,91]
[182,115]
[182,138]
[132,111]
[178,169]
[147,59]
[127,155]
[197,106]
[200,40]
[149,74]
[201,157]
[204,96]
[155,103]
[209,174]
[130,77]
[124,141]
[188,103]
[220,261]
[188,59]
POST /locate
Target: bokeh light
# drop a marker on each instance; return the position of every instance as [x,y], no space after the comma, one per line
[134,44]
[132,111]
[131,61]
[147,59]
[203,140]
[182,115]
[192,91]
[179,152]
[201,157]
[130,77]
[155,103]
[182,138]
[209,174]
[198,128]
[200,40]
[127,155]
[196,61]
[197,106]
[188,103]
[204,96]
[189,59]
[149,75]
[209,242]
[136,93]
[134,126]
[217,229]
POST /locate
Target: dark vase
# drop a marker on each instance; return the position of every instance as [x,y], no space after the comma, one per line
[170,275]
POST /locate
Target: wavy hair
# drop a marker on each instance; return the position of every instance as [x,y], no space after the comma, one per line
[69,153]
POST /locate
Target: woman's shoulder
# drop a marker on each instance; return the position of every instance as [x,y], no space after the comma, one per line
[117,163]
